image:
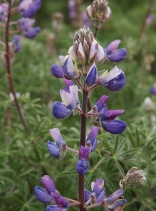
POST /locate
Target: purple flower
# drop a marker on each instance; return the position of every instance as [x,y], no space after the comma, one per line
[91,139]
[82,165]
[42,195]
[16,44]
[114,55]
[69,102]
[98,193]
[26,27]
[113,80]
[3,11]
[60,201]
[57,71]
[150,19]
[57,149]
[153,89]
[92,76]
[109,124]
[28,8]
[69,69]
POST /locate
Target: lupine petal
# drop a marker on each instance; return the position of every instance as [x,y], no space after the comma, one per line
[60,201]
[100,197]
[114,126]
[48,183]
[113,197]
[60,111]
[68,82]
[112,47]
[57,71]
[84,152]
[68,68]
[119,203]
[86,195]
[101,102]
[55,133]
[82,166]
[109,114]
[93,133]
[91,77]
[31,33]
[42,195]
[118,55]
[54,208]
[101,56]
[53,149]
[68,99]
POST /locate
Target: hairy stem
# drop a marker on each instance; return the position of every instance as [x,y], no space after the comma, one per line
[82,143]
[8,68]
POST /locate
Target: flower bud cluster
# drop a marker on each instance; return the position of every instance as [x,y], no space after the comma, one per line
[99,12]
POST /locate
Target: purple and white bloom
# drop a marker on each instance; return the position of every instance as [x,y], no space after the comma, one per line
[69,69]
[113,201]
[91,139]
[25,25]
[150,19]
[108,123]
[60,201]
[113,80]
[97,195]
[42,195]
[3,11]
[28,8]
[92,76]
[16,44]
[69,102]
[57,149]
[57,71]
[114,55]
[82,165]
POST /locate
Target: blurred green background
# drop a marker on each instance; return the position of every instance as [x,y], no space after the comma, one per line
[24,158]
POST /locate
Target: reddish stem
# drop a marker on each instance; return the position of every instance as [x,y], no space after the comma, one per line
[8,68]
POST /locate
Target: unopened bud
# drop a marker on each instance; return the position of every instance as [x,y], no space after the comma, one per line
[98,12]
[134,177]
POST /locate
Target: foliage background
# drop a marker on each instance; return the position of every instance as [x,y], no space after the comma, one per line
[25,158]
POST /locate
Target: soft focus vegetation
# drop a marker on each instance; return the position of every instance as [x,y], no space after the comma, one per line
[24,158]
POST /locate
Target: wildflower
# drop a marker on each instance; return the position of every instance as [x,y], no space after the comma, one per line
[28,8]
[82,165]
[134,177]
[26,27]
[99,12]
[150,19]
[57,71]
[115,201]
[114,55]
[98,193]
[60,201]
[92,76]
[54,208]
[69,102]
[57,149]
[91,139]
[113,80]
[108,123]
